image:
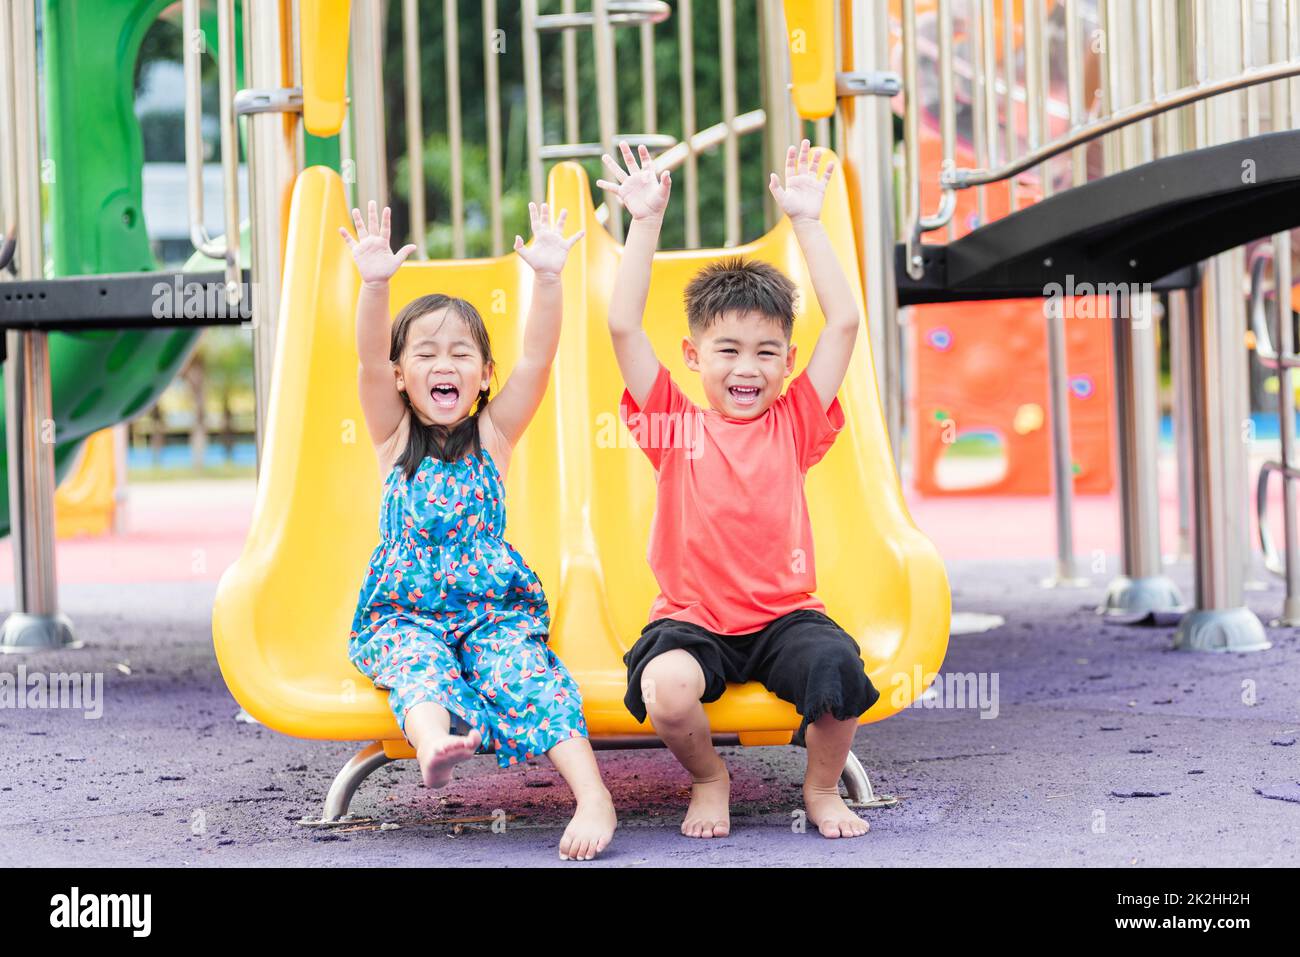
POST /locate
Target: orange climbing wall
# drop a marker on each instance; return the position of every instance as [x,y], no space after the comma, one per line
[982,367]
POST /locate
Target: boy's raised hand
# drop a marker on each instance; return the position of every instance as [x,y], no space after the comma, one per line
[549,249]
[801,197]
[644,193]
[375,258]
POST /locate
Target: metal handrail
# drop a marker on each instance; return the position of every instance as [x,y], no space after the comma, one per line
[1272,560]
[622,13]
[1264,349]
[966,178]
[228,248]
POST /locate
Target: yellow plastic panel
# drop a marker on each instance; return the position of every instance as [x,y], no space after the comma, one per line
[84,503]
[810,32]
[324,31]
[580,494]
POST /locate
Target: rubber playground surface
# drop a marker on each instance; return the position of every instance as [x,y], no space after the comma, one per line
[1089,742]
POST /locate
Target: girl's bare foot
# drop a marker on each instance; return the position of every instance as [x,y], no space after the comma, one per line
[832,817]
[591,829]
[438,755]
[709,814]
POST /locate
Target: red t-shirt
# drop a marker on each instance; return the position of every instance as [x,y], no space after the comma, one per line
[731,544]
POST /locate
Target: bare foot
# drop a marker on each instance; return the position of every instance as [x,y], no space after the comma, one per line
[827,810]
[437,756]
[709,811]
[591,829]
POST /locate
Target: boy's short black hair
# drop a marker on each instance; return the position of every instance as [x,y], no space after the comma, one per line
[740,285]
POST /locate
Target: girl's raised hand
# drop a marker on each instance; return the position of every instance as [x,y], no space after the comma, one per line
[801,197]
[375,258]
[549,248]
[640,189]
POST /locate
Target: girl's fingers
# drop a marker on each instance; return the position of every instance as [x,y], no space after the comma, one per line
[386,224]
[816,158]
[532,216]
[789,164]
[347,236]
[628,158]
[356,221]
[404,252]
[559,223]
[574,238]
[606,184]
[545,215]
[519,242]
[803,156]
[826,177]
[608,160]
[374,217]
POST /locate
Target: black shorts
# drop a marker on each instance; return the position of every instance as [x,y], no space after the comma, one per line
[802,657]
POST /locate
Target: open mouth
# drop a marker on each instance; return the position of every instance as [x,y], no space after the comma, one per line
[743,394]
[445,395]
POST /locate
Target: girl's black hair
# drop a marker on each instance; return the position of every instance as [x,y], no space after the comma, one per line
[440,441]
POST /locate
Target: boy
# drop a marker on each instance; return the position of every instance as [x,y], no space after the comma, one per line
[731,543]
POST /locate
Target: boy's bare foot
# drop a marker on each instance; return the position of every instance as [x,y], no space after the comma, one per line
[827,810]
[591,829]
[438,755]
[709,814]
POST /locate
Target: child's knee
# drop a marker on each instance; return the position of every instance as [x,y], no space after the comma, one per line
[672,684]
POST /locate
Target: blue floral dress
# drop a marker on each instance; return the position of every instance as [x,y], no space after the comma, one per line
[449,612]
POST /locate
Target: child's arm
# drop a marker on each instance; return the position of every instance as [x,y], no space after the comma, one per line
[512,409]
[381,402]
[801,200]
[646,197]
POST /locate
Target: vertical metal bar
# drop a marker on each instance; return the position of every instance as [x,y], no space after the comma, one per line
[533,102]
[1074,85]
[414,122]
[1180,373]
[1035,93]
[347,162]
[451,40]
[1279,110]
[36,623]
[947,98]
[988,39]
[367,108]
[976,30]
[273,153]
[912,141]
[1220,621]
[778,131]
[569,40]
[686,68]
[1009,80]
[8,160]
[1245,11]
[1142,586]
[492,99]
[607,103]
[866,124]
[731,146]
[649,108]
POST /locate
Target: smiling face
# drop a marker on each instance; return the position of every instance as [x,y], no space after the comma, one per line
[742,359]
[441,369]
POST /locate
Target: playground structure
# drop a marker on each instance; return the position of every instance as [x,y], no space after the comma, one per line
[1173,138]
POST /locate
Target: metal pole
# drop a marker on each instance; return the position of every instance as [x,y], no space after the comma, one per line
[36,624]
[451,48]
[867,126]
[533,106]
[1142,584]
[778,131]
[491,91]
[415,121]
[1220,620]
[272,166]
[607,104]
[686,69]
[731,149]
[367,108]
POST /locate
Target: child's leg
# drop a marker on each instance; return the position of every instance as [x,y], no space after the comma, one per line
[535,707]
[829,739]
[594,820]
[428,728]
[807,659]
[671,686]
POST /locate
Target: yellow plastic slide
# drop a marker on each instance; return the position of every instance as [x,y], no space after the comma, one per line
[580,494]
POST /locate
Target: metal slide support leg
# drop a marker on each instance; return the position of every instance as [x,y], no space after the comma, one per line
[858,785]
[359,767]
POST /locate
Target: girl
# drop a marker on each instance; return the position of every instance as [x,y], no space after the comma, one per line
[450,618]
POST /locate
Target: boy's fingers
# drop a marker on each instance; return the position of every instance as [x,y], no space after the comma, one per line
[386,224]
[545,215]
[826,177]
[356,221]
[605,184]
[404,252]
[347,236]
[816,158]
[559,223]
[574,238]
[374,217]
[789,163]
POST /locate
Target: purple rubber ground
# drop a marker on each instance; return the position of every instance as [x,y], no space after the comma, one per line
[1088,713]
